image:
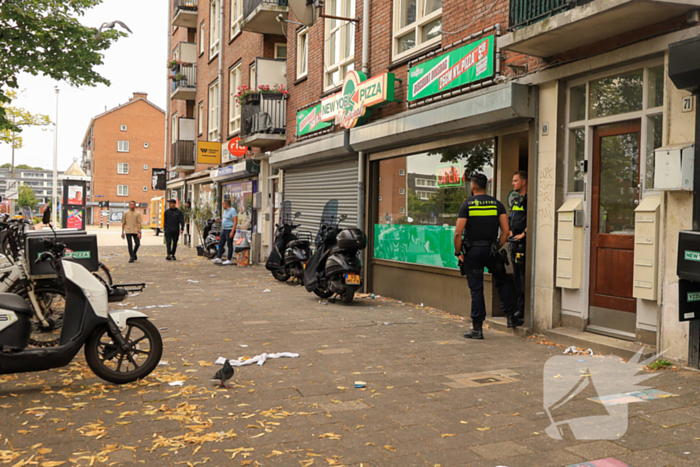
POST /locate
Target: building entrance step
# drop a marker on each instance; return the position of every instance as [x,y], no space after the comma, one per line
[600,344]
[501,324]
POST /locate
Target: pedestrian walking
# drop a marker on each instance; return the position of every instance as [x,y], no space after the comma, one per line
[518,232]
[477,246]
[228,231]
[173,225]
[131,229]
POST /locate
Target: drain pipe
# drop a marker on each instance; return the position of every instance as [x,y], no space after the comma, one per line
[532,230]
[219,192]
[361,154]
[168,30]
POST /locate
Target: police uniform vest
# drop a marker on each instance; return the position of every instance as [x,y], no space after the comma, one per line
[518,215]
[482,212]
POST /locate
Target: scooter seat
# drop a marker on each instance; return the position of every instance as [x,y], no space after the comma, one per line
[13,302]
[299,244]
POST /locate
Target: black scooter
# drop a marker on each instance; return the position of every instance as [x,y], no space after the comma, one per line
[211,235]
[335,268]
[120,346]
[289,253]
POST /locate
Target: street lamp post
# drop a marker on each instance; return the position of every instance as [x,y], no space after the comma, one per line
[54,194]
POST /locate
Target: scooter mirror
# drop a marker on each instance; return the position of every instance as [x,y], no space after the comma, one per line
[297,214]
[343,217]
[46,218]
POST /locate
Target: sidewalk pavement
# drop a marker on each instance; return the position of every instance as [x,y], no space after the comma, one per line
[432,398]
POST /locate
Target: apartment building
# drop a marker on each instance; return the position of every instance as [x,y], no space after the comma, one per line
[119,150]
[40,181]
[389,107]
[228,59]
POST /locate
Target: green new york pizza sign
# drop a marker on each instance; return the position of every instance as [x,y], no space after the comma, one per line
[465,65]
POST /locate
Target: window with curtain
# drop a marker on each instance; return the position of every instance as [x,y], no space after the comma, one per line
[339,48]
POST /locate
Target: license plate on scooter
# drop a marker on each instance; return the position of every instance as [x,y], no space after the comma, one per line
[352,279]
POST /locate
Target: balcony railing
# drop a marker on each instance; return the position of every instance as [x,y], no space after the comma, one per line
[185,13]
[184,82]
[182,156]
[264,119]
[261,15]
[526,12]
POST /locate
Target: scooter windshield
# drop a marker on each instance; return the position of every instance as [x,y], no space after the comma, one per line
[286,213]
[329,218]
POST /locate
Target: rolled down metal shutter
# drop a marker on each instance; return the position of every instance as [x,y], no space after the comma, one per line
[310,188]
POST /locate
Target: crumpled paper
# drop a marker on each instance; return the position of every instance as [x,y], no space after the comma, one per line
[259,359]
[574,351]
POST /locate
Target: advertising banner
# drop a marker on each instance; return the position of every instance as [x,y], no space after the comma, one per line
[75,195]
[158,179]
[75,219]
[468,64]
[208,152]
[309,120]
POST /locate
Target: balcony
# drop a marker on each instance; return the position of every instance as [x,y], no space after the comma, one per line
[184,82]
[263,117]
[182,156]
[261,16]
[185,13]
[544,28]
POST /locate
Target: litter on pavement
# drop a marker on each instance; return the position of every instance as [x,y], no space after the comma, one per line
[193,282]
[630,397]
[177,383]
[259,359]
[574,351]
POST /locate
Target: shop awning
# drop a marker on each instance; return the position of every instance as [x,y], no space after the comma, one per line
[311,150]
[493,106]
[243,169]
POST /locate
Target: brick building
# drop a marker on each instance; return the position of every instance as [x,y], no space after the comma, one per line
[120,147]
[557,88]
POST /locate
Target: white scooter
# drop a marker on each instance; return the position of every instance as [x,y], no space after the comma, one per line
[120,346]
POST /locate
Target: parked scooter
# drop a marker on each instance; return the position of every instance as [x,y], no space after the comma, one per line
[335,267]
[120,346]
[289,253]
[212,233]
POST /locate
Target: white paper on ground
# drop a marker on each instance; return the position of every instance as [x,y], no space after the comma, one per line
[259,359]
[177,383]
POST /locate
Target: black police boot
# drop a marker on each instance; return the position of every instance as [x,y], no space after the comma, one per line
[514,320]
[476,332]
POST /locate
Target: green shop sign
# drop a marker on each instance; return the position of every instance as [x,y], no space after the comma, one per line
[693,297]
[309,120]
[692,255]
[72,254]
[468,64]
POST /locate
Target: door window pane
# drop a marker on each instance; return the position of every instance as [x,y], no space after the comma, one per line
[577,153]
[655,96]
[577,103]
[418,226]
[407,14]
[616,95]
[654,141]
[432,29]
[619,179]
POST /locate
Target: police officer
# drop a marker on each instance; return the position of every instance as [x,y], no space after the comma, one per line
[480,218]
[518,232]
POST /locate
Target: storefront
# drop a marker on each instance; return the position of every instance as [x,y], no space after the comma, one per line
[238,184]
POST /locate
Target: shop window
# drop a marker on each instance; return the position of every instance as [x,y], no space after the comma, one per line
[655,90]
[417,24]
[577,103]
[214,112]
[240,194]
[654,141]
[618,94]
[418,227]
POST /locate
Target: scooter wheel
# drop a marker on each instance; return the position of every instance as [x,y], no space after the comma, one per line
[210,252]
[118,365]
[323,293]
[348,296]
[280,274]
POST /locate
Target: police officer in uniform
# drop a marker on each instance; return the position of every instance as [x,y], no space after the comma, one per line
[480,218]
[518,232]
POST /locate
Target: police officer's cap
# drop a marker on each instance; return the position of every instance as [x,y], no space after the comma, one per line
[479,180]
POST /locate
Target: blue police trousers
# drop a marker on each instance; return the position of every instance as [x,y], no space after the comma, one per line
[476,260]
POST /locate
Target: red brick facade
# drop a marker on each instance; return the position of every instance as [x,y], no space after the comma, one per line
[144,126]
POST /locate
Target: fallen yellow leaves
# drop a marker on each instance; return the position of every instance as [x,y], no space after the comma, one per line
[389,448]
[447,435]
[190,438]
[330,436]
[483,429]
[93,429]
[245,452]
[275,454]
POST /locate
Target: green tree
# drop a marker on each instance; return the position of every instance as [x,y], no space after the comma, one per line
[26,197]
[20,118]
[26,167]
[45,37]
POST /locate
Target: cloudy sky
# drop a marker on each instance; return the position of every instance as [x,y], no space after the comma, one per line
[134,63]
